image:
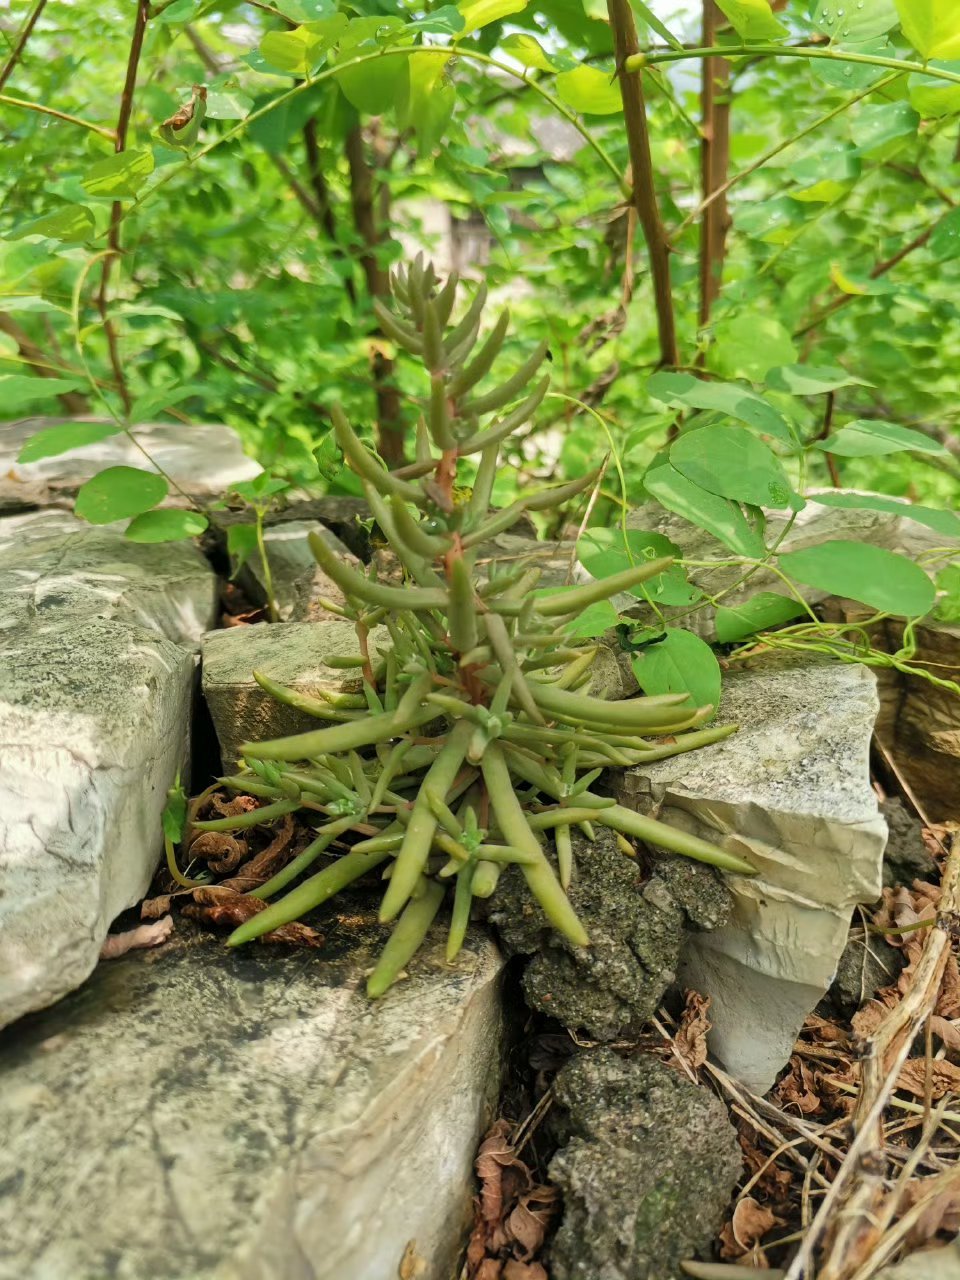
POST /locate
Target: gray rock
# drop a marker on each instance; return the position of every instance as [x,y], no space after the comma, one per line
[54,568]
[94,719]
[204,459]
[291,653]
[636,921]
[97,674]
[298,581]
[907,858]
[200,1113]
[649,1164]
[790,793]
[931,1264]
[867,964]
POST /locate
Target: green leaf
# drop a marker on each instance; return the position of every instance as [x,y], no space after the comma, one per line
[811,380]
[879,578]
[430,99]
[948,605]
[945,240]
[480,13]
[298,51]
[880,129]
[604,552]
[752,19]
[165,526]
[854,23]
[731,462]
[748,346]
[716,515]
[447,20]
[935,98]
[261,488]
[761,612]
[527,52]
[826,176]
[228,104]
[118,493]
[726,397]
[61,439]
[71,224]
[931,26]
[653,22]
[594,621]
[376,86]
[174,816]
[868,438]
[17,389]
[329,457]
[150,403]
[241,544]
[119,175]
[680,663]
[944,522]
[590,91]
[179,11]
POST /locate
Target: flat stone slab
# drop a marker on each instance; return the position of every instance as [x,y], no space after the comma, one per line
[94,723]
[54,567]
[299,584]
[203,458]
[195,1113]
[791,793]
[292,653]
[97,677]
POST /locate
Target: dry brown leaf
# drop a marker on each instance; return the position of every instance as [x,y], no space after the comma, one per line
[948,1001]
[153,908]
[747,1227]
[528,1222]
[223,851]
[412,1266]
[233,807]
[942,1214]
[825,1032]
[267,862]
[514,1270]
[797,1089]
[489,1269]
[691,1036]
[220,907]
[947,1032]
[495,1155]
[144,935]
[944,1077]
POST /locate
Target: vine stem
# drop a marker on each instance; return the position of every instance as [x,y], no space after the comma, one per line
[17,51]
[638,61]
[24,105]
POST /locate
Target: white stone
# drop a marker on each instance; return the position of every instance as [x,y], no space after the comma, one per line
[203,458]
[94,721]
[202,1114]
[791,793]
[97,674]
[298,581]
[55,567]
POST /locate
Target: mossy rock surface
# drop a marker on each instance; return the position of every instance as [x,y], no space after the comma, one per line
[636,921]
[648,1166]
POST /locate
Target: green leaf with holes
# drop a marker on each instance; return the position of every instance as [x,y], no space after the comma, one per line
[731,462]
[680,663]
[885,581]
[119,493]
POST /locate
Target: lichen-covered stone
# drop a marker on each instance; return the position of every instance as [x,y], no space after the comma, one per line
[54,567]
[94,724]
[648,1165]
[636,921]
[299,583]
[791,793]
[195,1113]
[292,653]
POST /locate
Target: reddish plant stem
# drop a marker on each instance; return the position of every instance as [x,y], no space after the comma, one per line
[116,210]
[644,199]
[714,162]
[17,51]
[389,421]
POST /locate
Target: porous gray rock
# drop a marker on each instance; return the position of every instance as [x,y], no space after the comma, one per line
[648,1164]
[866,964]
[791,793]
[97,674]
[204,459]
[200,1113]
[293,654]
[636,918]
[906,858]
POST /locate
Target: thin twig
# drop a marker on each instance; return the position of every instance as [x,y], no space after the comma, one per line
[17,51]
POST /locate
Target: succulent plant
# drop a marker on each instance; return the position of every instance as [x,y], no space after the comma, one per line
[473,744]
